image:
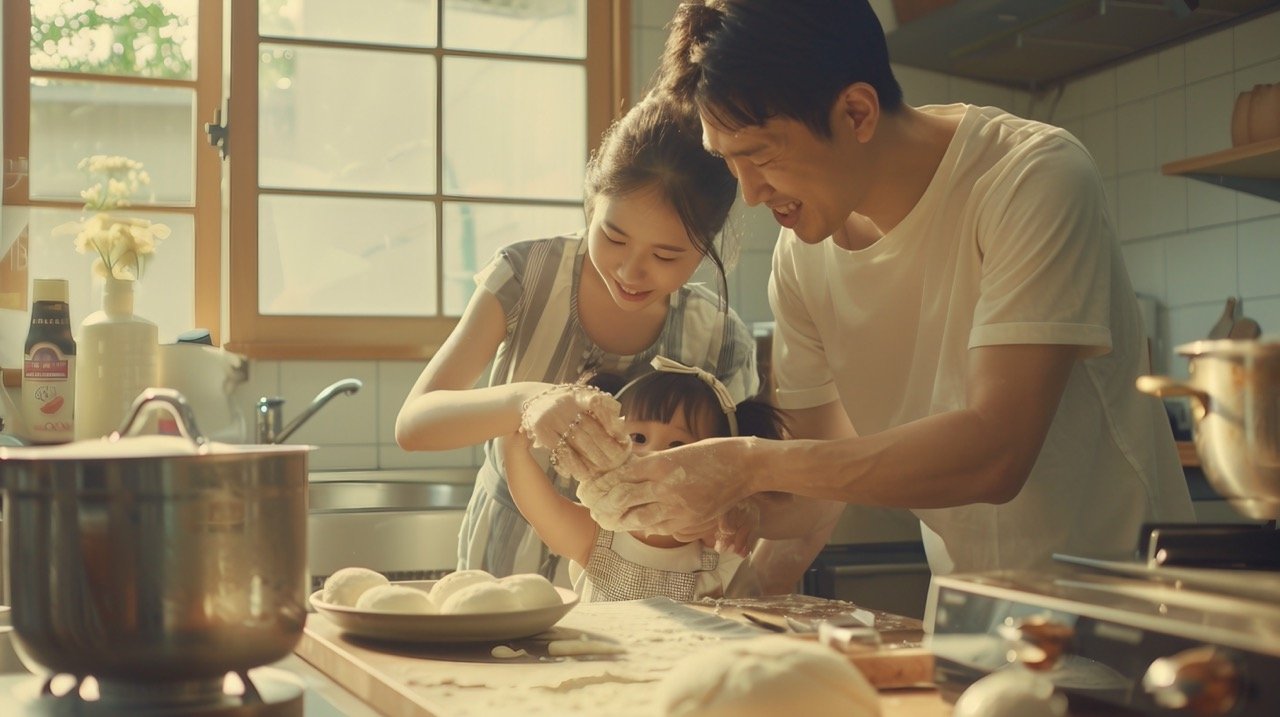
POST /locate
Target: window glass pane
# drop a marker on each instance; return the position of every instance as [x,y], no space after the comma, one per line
[346,120]
[473,232]
[321,256]
[165,294]
[391,22]
[557,28]
[131,38]
[73,120]
[514,129]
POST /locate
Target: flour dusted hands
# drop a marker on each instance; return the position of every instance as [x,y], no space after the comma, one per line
[675,492]
[580,425]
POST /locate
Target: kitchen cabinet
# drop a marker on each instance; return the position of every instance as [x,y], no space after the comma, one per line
[1252,168]
[1031,44]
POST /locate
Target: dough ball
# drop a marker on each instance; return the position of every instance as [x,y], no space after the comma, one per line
[532,590]
[1014,691]
[481,597]
[765,677]
[347,585]
[446,586]
[397,598]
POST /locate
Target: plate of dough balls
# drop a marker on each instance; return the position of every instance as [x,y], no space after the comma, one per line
[467,605]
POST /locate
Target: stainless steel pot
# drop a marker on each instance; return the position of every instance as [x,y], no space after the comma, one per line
[1235,392]
[134,563]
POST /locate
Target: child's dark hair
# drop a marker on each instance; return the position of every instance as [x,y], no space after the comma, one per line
[657,146]
[742,62]
[658,395]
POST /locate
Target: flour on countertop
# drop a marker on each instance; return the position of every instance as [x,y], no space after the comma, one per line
[654,634]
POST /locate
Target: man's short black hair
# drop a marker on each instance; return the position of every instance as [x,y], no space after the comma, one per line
[742,62]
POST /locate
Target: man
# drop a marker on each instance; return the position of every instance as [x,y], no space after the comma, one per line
[956,332]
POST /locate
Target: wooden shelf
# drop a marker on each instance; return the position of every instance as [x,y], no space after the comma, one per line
[1252,168]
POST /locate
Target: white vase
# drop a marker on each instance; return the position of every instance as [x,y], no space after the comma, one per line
[116,360]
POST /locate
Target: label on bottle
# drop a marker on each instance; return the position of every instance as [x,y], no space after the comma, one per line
[48,392]
[49,374]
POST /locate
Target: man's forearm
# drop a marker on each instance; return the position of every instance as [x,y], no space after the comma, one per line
[949,459]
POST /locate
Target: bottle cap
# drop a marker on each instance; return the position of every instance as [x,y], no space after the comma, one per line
[49,290]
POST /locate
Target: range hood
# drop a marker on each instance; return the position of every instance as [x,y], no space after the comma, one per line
[1030,44]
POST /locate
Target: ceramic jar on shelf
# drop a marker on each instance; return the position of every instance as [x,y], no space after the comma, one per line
[118,359]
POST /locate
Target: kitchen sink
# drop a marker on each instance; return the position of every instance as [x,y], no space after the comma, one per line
[403,524]
[370,496]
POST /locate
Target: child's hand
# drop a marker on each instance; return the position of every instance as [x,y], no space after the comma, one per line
[736,529]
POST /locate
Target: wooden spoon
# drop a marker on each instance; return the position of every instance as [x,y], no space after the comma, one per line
[1246,329]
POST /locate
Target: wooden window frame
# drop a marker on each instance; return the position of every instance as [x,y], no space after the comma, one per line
[368,337]
[206,207]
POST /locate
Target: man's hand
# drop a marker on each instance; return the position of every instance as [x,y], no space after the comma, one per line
[674,492]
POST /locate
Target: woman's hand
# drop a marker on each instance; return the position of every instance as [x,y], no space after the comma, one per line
[580,425]
[672,492]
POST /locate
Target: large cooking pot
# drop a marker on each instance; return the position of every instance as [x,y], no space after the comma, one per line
[155,558]
[1234,388]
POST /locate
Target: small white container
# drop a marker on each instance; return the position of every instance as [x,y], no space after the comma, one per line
[117,360]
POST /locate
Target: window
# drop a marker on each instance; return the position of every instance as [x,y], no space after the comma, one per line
[390,148]
[123,78]
[379,153]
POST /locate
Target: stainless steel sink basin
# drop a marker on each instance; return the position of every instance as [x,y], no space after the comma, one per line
[401,523]
[371,497]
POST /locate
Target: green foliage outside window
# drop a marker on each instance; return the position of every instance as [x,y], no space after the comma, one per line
[134,38]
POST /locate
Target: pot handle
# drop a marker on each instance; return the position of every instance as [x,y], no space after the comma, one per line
[1164,387]
[169,400]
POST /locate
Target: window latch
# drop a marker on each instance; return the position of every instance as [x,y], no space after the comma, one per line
[217,132]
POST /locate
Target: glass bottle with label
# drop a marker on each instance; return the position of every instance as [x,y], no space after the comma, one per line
[49,365]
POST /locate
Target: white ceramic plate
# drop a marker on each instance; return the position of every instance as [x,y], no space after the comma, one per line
[479,627]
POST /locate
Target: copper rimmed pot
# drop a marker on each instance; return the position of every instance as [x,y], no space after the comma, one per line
[155,558]
[1234,388]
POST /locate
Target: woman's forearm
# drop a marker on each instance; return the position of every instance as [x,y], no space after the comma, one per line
[443,420]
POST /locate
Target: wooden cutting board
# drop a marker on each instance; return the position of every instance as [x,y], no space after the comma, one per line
[900,661]
[405,680]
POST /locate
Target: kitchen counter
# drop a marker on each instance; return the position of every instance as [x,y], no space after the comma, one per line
[406,680]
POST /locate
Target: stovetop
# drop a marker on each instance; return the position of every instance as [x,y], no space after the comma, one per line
[1161,604]
[1117,633]
[282,695]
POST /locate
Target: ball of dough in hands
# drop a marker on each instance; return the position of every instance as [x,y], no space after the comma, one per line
[532,590]
[397,598]
[346,586]
[765,677]
[446,586]
[481,597]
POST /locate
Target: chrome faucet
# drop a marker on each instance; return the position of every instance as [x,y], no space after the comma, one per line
[268,414]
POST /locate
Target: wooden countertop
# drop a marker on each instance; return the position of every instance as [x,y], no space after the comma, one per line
[408,680]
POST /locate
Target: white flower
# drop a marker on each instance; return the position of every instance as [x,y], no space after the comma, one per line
[121,244]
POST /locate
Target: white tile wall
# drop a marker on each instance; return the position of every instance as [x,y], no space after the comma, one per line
[1187,244]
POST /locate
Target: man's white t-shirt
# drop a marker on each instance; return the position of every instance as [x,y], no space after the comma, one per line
[1010,244]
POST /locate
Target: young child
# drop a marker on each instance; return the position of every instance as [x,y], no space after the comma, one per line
[672,406]
[610,299]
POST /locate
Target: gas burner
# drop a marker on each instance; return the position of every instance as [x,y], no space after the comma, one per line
[264,692]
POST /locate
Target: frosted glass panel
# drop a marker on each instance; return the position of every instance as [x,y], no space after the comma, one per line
[165,294]
[73,120]
[391,22]
[514,129]
[129,38]
[473,232]
[323,256]
[557,28]
[346,120]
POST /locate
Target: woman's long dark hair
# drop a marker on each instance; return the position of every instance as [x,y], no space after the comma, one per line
[658,146]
